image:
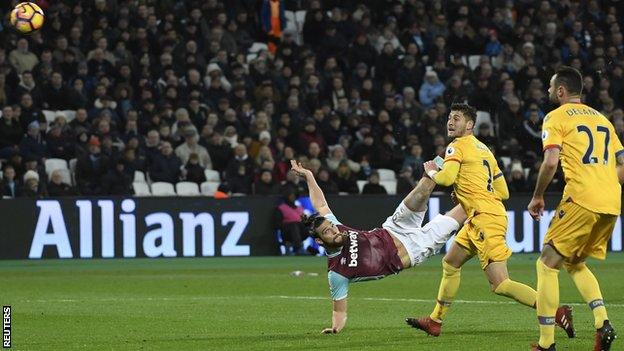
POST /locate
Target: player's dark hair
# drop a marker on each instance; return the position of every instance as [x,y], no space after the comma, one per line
[311,223]
[570,78]
[469,112]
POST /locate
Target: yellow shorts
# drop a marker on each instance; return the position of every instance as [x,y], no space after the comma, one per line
[577,233]
[484,235]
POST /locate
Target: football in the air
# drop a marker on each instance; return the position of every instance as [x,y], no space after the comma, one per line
[27,17]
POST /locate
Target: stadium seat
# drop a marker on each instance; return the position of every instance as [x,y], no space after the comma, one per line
[506,162]
[257,47]
[72,164]
[386,174]
[163,189]
[251,57]
[187,189]
[209,188]
[141,189]
[390,186]
[72,168]
[212,175]
[69,115]
[361,184]
[53,164]
[300,19]
[291,21]
[49,115]
[473,61]
[139,177]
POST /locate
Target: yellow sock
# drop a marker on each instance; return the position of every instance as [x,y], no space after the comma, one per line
[517,291]
[448,289]
[547,302]
[587,285]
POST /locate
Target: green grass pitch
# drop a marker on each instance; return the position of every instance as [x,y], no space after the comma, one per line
[255,304]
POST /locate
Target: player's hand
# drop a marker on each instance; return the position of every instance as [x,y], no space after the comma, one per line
[299,169]
[430,166]
[536,207]
[329,331]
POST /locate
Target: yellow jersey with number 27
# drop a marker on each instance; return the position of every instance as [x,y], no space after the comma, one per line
[474,183]
[589,146]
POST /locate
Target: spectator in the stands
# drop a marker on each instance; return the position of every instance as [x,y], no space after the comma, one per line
[57,145]
[414,160]
[31,187]
[345,179]
[21,58]
[194,171]
[220,151]
[265,185]
[405,181]
[57,188]
[90,169]
[10,185]
[431,89]
[240,171]
[166,167]
[517,181]
[191,146]
[336,155]
[32,145]
[326,183]
[373,186]
[28,85]
[10,133]
[288,220]
[116,181]
[56,96]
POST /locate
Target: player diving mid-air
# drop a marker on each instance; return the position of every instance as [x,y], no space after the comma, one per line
[357,255]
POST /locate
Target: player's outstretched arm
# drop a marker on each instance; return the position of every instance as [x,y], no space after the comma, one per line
[545,176]
[339,317]
[316,194]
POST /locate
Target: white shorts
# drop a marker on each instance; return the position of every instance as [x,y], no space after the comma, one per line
[420,242]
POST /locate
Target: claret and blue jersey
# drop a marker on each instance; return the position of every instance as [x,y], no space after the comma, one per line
[366,255]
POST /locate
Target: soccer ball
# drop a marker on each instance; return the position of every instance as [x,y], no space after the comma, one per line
[27,17]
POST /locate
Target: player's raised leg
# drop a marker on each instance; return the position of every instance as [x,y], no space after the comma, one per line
[417,199]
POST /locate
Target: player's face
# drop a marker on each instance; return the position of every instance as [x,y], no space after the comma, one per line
[552,91]
[329,235]
[456,126]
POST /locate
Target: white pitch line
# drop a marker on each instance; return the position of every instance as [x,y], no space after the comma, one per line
[205,298]
[473,302]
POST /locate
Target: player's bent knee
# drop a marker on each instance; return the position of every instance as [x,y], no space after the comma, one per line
[449,270]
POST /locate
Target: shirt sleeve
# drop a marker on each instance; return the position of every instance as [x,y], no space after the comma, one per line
[338,286]
[617,143]
[552,136]
[453,153]
[332,218]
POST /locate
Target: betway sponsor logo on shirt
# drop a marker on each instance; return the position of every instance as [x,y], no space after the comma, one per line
[353,249]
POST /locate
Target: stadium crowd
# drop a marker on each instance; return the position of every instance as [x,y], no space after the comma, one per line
[351,88]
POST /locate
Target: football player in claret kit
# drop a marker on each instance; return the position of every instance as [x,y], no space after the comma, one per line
[480,187]
[357,255]
[591,156]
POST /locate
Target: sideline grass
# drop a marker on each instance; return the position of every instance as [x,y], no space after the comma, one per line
[255,304]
